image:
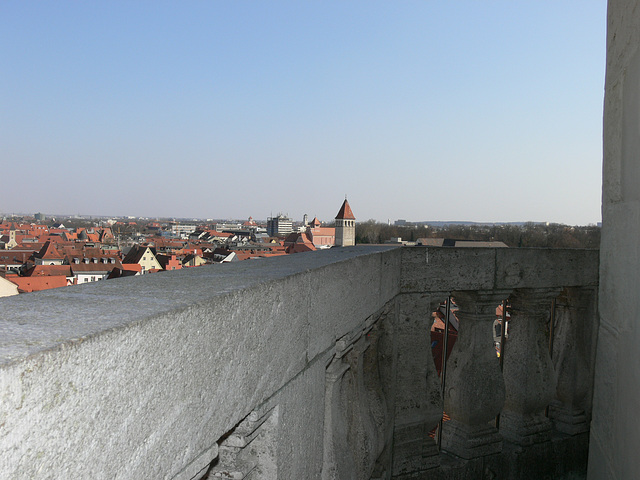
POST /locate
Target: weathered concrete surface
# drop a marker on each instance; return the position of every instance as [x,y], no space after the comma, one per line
[418,399]
[339,302]
[474,393]
[529,376]
[358,401]
[137,378]
[159,376]
[426,269]
[574,351]
[615,429]
[563,458]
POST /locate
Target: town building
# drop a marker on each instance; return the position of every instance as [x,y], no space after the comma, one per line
[169,262]
[144,257]
[182,231]
[48,255]
[7,287]
[322,237]
[8,241]
[279,226]
[345,226]
[86,272]
[298,242]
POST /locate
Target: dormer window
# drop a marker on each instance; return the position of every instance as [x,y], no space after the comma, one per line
[85,260]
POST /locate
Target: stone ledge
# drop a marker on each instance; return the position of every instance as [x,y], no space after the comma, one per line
[139,377]
[427,269]
[36,322]
[564,458]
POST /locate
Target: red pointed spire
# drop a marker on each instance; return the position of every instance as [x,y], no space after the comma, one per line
[345,212]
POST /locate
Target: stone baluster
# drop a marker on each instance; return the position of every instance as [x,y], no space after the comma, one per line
[418,402]
[474,391]
[573,358]
[528,372]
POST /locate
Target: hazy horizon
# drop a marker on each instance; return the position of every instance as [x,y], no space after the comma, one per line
[50,216]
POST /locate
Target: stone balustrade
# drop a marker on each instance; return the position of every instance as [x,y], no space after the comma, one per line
[315,365]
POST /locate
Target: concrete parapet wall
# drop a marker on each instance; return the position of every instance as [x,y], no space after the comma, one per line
[139,377]
[315,365]
[433,269]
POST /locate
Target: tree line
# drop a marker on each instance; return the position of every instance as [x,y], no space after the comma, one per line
[553,235]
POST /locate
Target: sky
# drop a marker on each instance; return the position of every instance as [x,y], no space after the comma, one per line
[487,111]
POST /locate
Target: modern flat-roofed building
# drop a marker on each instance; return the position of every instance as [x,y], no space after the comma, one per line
[279,226]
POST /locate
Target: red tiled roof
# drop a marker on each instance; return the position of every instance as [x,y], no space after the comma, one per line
[48,252]
[14,257]
[131,267]
[345,212]
[49,271]
[135,254]
[169,262]
[299,242]
[214,233]
[94,267]
[117,273]
[35,284]
[301,247]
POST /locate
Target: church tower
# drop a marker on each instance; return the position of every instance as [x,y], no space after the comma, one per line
[345,226]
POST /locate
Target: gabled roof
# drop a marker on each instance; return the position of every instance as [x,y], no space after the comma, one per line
[49,271]
[168,261]
[315,223]
[93,237]
[299,242]
[195,260]
[135,254]
[48,252]
[124,272]
[345,212]
[130,267]
[14,257]
[105,234]
[301,247]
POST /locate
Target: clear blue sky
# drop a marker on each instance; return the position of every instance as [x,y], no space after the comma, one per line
[421,110]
